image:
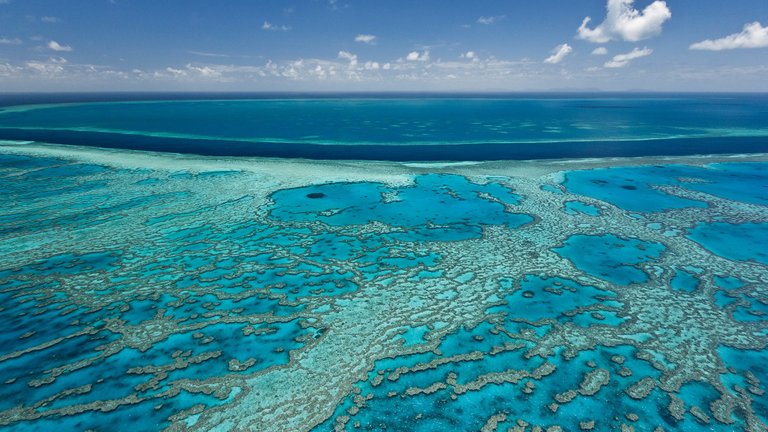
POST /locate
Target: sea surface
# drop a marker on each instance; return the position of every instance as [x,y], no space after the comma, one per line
[404,129]
[156,291]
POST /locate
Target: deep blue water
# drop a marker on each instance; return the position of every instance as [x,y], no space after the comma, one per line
[436,128]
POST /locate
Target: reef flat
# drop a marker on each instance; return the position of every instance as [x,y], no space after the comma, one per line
[169,292]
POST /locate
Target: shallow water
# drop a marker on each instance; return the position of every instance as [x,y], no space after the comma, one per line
[193,300]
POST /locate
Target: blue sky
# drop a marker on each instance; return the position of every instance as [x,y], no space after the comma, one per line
[382,45]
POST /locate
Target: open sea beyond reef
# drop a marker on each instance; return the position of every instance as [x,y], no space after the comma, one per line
[384,264]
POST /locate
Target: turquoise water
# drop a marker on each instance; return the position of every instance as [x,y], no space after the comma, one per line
[742,242]
[640,189]
[166,297]
[462,129]
[609,257]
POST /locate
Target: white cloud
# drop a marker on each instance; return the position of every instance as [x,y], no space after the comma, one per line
[55,46]
[334,73]
[416,56]
[490,19]
[365,38]
[205,71]
[599,51]
[8,70]
[471,55]
[54,66]
[303,73]
[559,53]
[622,60]
[50,19]
[624,22]
[207,54]
[754,35]
[272,27]
[7,41]
[176,72]
[346,55]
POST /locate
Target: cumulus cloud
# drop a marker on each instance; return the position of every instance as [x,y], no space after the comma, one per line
[754,35]
[336,72]
[559,53]
[416,56]
[470,55]
[273,27]
[488,20]
[600,51]
[624,22]
[7,41]
[54,66]
[365,38]
[204,71]
[346,55]
[55,46]
[622,60]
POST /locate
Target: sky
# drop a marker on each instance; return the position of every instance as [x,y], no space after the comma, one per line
[384,45]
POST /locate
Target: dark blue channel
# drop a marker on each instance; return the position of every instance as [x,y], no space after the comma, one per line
[401,153]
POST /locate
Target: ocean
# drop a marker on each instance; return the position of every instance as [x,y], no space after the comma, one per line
[384,264]
[403,129]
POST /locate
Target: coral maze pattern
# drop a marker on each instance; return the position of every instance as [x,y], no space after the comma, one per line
[604,299]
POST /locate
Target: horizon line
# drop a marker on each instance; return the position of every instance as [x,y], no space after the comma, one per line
[384,92]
